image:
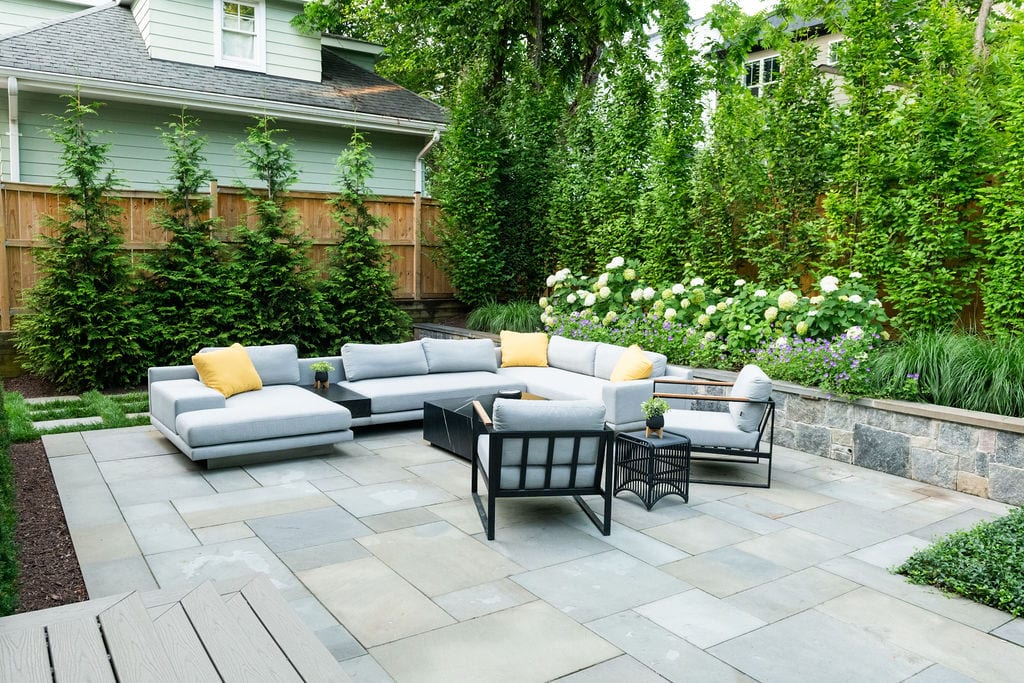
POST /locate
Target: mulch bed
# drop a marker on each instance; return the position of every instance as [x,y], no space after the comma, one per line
[50,575]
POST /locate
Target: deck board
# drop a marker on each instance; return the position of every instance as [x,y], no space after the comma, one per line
[23,656]
[184,649]
[135,650]
[272,660]
[307,654]
[78,652]
[52,615]
[235,658]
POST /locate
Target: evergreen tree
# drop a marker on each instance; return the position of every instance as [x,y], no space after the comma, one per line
[359,289]
[82,333]
[274,280]
[183,292]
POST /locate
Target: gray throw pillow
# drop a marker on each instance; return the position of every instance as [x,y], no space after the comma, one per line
[366,361]
[459,355]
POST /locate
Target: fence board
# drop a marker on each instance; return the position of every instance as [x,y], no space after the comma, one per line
[24,206]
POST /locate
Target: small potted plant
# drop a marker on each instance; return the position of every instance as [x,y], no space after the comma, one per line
[654,411]
[320,376]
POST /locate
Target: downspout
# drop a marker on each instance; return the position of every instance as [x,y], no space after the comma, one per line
[12,129]
[417,219]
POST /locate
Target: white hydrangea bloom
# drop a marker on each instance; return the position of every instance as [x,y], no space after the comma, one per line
[739,283]
[685,303]
[709,336]
[649,293]
[829,283]
[590,300]
[710,310]
[670,314]
[855,332]
[787,300]
[747,328]
[637,294]
[666,294]
[697,282]
[604,292]
[875,302]
[771,313]
[549,309]
[570,299]
[616,262]
[629,274]
[551,280]
[678,289]
[811,314]
[782,341]
[543,302]
[760,294]
[703,319]
[801,327]
[855,275]
[856,298]
[722,305]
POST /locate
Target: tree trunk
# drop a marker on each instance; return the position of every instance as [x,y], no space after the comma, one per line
[980,49]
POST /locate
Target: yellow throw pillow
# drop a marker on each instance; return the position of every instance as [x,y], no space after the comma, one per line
[230,371]
[633,364]
[524,349]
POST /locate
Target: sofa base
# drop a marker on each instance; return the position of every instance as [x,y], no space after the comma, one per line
[228,454]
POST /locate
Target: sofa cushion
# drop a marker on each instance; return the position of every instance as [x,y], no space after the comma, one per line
[586,475]
[459,355]
[524,349]
[276,363]
[709,428]
[632,364]
[172,397]
[366,361]
[572,355]
[751,383]
[557,384]
[608,355]
[230,371]
[514,415]
[396,394]
[274,412]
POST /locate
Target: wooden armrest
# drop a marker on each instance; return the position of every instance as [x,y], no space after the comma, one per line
[481,413]
[692,382]
[702,397]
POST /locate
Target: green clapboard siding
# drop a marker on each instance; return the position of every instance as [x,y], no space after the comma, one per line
[140,159]
[289,53]
[181,31]
[142,14]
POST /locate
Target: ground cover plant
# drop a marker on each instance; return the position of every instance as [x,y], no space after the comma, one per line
[114,410]
[984,564]
[517,316]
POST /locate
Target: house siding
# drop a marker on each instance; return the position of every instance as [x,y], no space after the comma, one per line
[290,53]
[141,12]
[181,31]
[140,159]
[20,14]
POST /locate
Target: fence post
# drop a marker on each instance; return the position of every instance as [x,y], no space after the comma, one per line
[214,209]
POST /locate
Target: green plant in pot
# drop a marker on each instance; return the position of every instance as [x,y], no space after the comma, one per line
[320,369]
[654,412]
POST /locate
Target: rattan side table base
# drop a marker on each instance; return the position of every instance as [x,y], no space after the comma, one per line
[652,468]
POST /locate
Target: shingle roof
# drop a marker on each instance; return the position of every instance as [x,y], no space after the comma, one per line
[105,43]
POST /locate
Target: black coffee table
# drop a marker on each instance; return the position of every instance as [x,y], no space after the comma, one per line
[448,422]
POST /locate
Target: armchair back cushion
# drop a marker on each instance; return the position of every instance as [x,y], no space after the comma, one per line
[751,383]
[366,361]
[572,355]
[516,415]
[459,355]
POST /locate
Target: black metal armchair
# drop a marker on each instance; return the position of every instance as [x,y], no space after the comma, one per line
[543,448]
[733,436]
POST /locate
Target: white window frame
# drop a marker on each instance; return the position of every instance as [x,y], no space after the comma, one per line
[758,88]
[830,54]
[259,61]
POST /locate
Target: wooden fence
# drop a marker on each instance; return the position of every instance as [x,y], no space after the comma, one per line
[409,235]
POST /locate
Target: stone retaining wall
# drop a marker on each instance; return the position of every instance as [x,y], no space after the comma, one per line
[977,453]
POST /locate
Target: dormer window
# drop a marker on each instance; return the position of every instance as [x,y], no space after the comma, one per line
[241,34]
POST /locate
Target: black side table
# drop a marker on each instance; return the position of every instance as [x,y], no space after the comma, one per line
[356,403]
[652,468]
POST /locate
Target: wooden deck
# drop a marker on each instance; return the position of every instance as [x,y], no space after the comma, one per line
[180,636]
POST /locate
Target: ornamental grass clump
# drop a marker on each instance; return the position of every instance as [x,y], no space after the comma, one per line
[517,316]
[984,563]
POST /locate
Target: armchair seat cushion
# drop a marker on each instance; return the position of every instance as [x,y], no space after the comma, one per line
[709,428]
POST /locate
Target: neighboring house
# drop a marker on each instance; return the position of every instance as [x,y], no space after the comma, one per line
[225,62]
[763,66]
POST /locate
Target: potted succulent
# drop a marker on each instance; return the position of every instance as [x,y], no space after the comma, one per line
[654,411]
[320,376]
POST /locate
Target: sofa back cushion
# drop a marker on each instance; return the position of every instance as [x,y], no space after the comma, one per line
[519,415]
[608,355]
[572,355]
[751,383]
[366,361]
[632,364]
[275,363]
[459,355]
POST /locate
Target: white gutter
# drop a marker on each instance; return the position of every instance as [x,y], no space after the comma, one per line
[418,187]
[104,89]
[12,129]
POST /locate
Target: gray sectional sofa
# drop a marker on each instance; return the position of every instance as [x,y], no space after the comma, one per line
[396,378]
[282,416]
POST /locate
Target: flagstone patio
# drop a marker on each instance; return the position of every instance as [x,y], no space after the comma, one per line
[379,548]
